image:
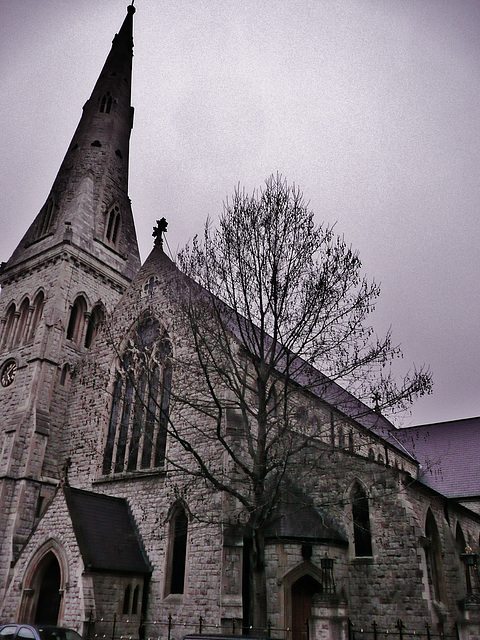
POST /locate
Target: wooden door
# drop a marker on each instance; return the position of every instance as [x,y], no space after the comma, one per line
[302,591]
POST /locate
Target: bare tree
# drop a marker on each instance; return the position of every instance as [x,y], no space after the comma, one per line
[271,300]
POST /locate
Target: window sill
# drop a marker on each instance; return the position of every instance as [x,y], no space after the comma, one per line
[363,560]
[131,475]
[174,598]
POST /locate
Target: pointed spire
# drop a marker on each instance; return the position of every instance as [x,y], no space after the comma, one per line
[92,181]
[119,60]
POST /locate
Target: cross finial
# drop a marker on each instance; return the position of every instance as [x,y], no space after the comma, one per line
[158,232]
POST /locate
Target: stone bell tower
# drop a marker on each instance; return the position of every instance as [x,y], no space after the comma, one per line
[69,270]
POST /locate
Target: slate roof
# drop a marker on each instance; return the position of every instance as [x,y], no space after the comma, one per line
[449,453]
[106,533]
[301,372]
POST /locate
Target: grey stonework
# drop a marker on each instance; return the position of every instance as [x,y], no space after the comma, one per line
[55,426]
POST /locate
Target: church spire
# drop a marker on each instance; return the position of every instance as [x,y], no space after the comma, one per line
[88,205]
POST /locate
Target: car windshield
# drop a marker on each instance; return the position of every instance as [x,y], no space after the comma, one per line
[56,633]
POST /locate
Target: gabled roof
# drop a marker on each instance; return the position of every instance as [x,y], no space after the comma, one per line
[449,454]
[106,533]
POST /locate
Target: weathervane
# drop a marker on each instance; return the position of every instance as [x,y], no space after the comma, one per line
[158,232]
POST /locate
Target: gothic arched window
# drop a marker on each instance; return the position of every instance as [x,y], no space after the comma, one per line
[106,103]
[113,225]
[94,322]
[361,521]
[139,412]
[22,322]
[126,600]
[460,539]
[45,218]
[135,599]
[77,320]
[9,324]
[177,552]
[433,554]
[64,374]
[38,304]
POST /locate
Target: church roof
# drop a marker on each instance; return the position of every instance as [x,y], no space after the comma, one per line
[449,455]
[106,532]
[301,372]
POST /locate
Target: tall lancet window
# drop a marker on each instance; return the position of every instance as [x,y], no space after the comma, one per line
[112,226]
[45,218]
[433,555]
[106,103]
[139,414]
[362,537]
[177,553]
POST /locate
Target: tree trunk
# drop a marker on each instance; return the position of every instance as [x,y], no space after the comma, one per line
[259,583]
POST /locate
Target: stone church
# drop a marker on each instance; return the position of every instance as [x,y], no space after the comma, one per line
[99,527]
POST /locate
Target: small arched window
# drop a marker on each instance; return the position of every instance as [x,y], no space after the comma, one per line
[351,443]
[45,218]
[135,599]
[9,324]
[460,539]
[94,323]
[64,374]
[113,222]
[22,322]
[38,305]
[126,600]
[361,521]
[177,551]
[77,320]
[106,103]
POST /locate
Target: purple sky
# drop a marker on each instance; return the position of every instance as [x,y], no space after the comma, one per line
[371,106]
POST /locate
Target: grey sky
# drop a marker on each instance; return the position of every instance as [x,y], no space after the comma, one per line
[370,106]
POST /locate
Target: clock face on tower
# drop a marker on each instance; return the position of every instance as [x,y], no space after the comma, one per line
[7,375]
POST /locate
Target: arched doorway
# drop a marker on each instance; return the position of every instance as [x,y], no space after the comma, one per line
[303,590]
[47,582]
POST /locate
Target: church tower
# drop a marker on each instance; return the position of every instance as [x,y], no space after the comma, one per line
[69,270]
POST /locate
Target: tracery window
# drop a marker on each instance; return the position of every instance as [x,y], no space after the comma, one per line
[140,406]
[361,521]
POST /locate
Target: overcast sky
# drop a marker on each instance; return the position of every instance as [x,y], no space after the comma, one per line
[371,106]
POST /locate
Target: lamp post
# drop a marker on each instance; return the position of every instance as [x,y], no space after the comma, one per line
[327,570]
[470,561]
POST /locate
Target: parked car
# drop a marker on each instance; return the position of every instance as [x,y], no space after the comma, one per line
[37,632]
[215,636]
